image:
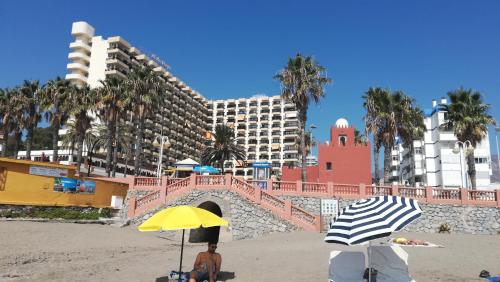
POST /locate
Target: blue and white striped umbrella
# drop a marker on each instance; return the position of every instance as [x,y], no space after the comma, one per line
[373,218]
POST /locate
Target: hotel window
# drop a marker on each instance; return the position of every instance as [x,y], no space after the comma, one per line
[328,166]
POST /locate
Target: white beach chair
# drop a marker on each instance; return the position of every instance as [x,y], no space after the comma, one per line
[391,262]
[346,266]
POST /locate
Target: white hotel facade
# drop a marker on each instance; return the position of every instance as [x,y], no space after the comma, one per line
[436,161]
[265,126]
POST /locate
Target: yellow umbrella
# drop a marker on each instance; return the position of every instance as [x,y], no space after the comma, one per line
[181,217]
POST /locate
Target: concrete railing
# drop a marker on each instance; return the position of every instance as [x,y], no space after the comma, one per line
[165,189]
[160,194]
[431,195]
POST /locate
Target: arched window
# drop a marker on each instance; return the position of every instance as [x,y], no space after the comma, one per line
[342,140]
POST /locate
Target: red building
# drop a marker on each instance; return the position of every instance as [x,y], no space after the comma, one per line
[341,160]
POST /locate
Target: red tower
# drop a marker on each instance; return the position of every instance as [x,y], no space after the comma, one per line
[342,160]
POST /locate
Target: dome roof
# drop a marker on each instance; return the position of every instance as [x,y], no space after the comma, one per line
[342,123]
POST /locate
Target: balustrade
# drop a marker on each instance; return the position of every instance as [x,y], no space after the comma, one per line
[273,201]
[210,180]
[147,181]
[315,187]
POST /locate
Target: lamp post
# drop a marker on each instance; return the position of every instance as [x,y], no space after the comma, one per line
[459,148]
[497,129]
[312,126]
[164,142]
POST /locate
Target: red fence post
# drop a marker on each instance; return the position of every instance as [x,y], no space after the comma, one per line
[362,190]
[228,177]
[428,195]
[257,195]
[192,181]
[288,210]
[317,223]
[270,185]
[329,187]
[498,196]
[464,197]
[395,190]
[131,207]
[299,186]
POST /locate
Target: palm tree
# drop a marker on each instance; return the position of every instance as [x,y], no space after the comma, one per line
[468,117]
[81,103]
[223,148]
[146,90]
[53,100]
[301,80]
[412,127]
[92,140]
[373,122]
[113,102]
[13,105]
[359,138]
[30,90]
[384,114]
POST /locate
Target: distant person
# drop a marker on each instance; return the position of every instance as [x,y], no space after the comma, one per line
[206,265]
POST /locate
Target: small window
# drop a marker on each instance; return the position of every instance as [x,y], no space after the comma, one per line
[328,166]
[342,140]
[395,158]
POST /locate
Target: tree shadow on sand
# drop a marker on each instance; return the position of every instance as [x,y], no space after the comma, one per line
[223,276]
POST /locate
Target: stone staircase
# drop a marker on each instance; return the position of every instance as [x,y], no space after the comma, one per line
[159,192]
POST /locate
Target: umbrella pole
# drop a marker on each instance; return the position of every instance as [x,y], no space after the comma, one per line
[182,251]
[370,261]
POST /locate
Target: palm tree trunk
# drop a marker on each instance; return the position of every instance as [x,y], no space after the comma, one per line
[55,139]
[4,143]
[115,161]
[376,153]
[126,165]
[412,165]
[115,150]
[138,146]
[29,141]
[109,146]
[17,141]
[79,155]
[387,164]
[471,168]
[89,162]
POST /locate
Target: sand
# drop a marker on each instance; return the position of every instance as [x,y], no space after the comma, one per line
[32,251]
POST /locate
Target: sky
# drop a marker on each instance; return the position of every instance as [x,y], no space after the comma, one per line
[231,49]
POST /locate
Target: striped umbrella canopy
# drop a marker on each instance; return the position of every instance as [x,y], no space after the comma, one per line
[373,218]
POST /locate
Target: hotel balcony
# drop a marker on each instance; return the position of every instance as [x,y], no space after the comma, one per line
[78,56]
[115,72]
[114,61]
[80,45]
[77,67]
[76,77]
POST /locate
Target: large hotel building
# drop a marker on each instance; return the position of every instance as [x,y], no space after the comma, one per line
[266,127]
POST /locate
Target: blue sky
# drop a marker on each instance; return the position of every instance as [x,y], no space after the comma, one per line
[233,48]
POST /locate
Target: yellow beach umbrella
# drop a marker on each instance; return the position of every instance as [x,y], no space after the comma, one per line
[181,217]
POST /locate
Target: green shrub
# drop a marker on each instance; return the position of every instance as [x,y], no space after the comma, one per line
[56,213]
[105,212]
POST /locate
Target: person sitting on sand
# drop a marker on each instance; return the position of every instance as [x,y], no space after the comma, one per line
[206,265]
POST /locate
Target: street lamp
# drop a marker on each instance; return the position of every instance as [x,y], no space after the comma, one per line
[164,143]
[459,146]
[312,126]
[497,129]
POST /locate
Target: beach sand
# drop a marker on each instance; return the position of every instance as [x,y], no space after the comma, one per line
[32,251]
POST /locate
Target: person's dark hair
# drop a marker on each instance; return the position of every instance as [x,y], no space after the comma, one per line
[212,243]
